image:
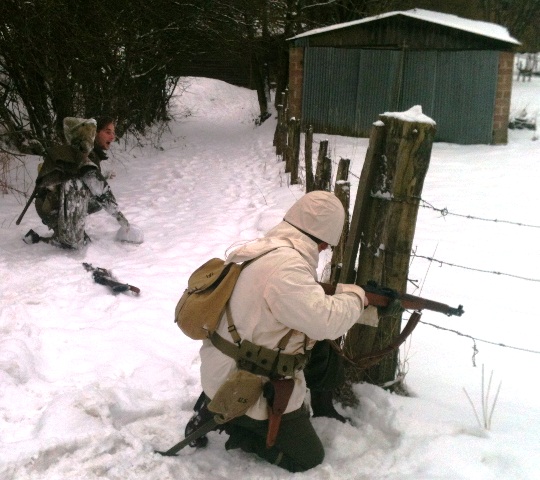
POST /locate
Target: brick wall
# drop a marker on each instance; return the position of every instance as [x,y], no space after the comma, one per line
[296,78]
[502,98]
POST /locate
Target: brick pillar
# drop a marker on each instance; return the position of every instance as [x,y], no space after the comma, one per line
[296,79]
[502,98]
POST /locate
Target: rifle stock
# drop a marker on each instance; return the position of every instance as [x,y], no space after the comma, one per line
[381,297]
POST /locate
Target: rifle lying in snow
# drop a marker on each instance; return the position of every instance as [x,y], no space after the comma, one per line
[104,277]
[382,297]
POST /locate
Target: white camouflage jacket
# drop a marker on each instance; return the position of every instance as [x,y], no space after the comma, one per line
[274,294]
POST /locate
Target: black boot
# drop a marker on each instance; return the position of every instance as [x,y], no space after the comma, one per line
[31,237]
[201,416]
[322,406]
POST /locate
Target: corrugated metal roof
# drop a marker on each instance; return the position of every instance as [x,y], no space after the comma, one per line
[485,29]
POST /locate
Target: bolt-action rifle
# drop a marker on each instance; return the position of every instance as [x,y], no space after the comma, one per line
[382,297]
[104,277]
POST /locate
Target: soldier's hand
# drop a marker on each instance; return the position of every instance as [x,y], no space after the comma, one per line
[122,220]
[369,317]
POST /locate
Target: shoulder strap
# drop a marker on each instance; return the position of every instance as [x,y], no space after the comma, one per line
[232,328]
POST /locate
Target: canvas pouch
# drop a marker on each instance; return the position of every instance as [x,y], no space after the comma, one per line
[236,396]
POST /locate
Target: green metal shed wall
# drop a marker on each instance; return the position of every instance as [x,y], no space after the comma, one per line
[345,90]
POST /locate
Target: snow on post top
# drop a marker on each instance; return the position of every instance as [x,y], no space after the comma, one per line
[414,114]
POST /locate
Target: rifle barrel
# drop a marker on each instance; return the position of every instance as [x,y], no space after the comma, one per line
[411,302]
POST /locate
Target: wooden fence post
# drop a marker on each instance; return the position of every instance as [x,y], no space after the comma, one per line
[295,165]
[384,221]
[342,190]
[323,150]
[308,151]
[326,175]
[293,149]
[280,134]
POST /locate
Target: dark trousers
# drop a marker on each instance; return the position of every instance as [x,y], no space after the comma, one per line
[297,448]
[325,370]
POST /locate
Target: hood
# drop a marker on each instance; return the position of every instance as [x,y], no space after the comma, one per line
[319,214]
[80,133]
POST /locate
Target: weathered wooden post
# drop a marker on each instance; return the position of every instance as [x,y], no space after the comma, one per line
[308,152]
[383,226]
[323,150]
[325,179]
[280,134]
[277,136]
[293,149]
[342,190]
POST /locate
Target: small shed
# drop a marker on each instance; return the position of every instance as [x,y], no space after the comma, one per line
[343,76]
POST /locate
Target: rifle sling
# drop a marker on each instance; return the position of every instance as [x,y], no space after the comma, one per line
[370,359]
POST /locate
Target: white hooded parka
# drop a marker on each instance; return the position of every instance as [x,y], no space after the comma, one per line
[274,294]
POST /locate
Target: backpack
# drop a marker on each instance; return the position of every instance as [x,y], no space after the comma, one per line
[62,160]
[199,309]
[209,288]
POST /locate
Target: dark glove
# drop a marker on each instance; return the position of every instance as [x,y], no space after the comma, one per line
[394,308]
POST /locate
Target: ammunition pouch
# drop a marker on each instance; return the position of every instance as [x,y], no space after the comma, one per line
[260,360]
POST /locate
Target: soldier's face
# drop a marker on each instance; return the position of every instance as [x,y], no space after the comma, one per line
[323,246]
[105,137]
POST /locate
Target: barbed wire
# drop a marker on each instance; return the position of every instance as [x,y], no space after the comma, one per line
[474,339]
[378,251]
[441,262]
[445,212]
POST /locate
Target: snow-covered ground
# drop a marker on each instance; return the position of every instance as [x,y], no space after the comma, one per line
[92,383]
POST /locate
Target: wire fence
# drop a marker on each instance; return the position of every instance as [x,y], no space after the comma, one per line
[444,213]
[475,339]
